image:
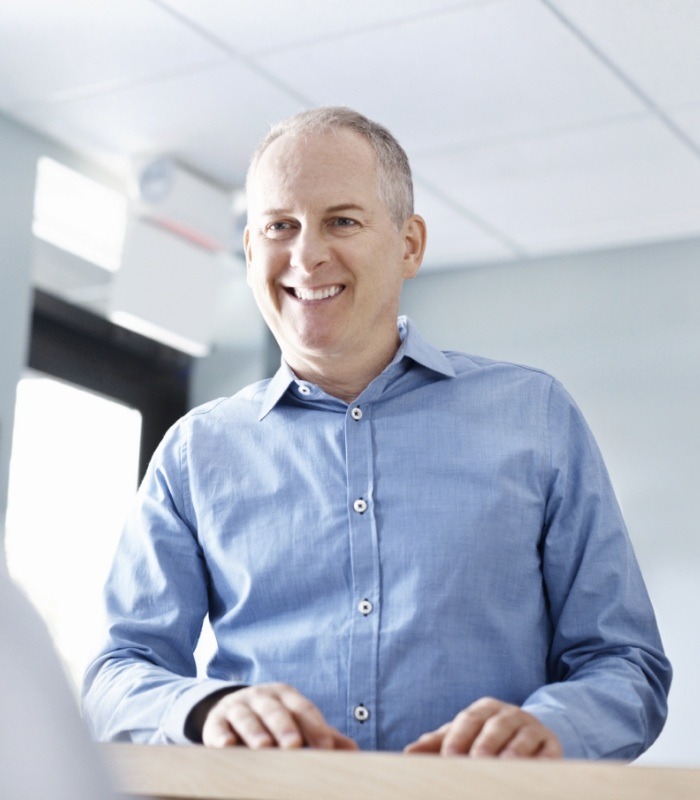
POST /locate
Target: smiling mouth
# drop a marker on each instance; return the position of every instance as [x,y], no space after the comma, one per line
[315,294]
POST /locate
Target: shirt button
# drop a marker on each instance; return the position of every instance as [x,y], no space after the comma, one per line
[304,389]
[361,713]
[360,505]
[356,413]
[364,607]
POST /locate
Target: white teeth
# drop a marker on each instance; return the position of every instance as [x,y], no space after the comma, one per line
[317,294]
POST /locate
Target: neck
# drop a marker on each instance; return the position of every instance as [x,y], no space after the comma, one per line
[344,378]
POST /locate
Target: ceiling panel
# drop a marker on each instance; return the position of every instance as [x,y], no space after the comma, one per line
[688,120]
[486,72]
[655,42]
[209,119]
[522,138]
[52,50]
[248,27]
[605,185]
[453,238]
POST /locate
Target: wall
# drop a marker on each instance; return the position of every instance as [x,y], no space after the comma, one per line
[621,330]
[18,155]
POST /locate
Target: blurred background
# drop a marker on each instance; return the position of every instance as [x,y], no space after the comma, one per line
[556,153]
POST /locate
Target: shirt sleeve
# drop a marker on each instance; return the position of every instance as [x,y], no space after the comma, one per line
[609,675]
[142,685]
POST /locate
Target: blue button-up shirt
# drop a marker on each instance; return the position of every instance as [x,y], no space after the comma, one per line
[450,534]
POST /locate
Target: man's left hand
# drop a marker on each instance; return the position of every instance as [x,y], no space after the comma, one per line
[490,728]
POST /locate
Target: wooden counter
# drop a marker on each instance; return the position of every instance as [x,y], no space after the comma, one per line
[198,773]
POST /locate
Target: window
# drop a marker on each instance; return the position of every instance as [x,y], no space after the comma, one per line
[91,410]
[73,474]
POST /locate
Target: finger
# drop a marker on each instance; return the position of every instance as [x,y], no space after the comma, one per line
[552,748]
[314,729]
[528,743]
[274,717]
[341,742]
[316,732]
[217,732]
[248,727]
[514,733]
[467,726]
[428,742]
[495,734]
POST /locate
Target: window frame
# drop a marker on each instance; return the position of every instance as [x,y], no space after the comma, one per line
[85,349]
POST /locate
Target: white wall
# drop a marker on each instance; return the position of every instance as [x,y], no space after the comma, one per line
[18,155]
[20,148]
[621,330]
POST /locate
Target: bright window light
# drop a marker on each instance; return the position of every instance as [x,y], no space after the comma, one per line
[79,215]
[73,476]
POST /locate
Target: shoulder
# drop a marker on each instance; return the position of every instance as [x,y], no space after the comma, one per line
[489,370]
[245,403]
[208,421]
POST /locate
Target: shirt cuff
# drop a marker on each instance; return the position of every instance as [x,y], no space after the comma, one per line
[174,724]
[556,721]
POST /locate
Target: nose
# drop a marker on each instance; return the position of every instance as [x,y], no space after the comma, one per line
[309,250]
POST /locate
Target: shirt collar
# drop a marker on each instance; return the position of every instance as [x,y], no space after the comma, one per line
[412,346]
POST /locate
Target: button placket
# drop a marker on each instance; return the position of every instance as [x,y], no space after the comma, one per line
[364,553]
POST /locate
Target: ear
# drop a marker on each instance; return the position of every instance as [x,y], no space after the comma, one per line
[248,254]
[415,236]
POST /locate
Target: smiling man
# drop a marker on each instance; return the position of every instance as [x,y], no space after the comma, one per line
[326,259]
[397,547]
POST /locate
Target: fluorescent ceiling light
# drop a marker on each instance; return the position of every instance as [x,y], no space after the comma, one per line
[79,215]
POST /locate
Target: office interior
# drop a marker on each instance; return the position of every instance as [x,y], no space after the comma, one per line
[555,146]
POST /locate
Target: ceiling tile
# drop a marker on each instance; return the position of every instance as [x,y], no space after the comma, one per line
[455,240]
[249,28]
[611,184]
[485,72]
[688,120]
[655,42]
[50,50]
[209,119]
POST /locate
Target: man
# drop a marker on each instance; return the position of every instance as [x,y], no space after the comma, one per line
[398,548]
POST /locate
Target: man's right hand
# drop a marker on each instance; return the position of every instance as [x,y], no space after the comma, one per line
[270,715]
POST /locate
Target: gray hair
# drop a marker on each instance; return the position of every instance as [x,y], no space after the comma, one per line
[395,185]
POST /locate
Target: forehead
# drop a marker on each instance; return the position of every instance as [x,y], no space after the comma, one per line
[295,168]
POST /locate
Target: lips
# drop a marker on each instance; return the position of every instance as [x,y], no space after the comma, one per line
[316,294]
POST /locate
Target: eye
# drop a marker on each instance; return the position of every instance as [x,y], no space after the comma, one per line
[277,229]
[344,222]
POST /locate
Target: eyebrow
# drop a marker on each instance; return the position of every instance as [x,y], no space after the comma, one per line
[345,207]
[273,212]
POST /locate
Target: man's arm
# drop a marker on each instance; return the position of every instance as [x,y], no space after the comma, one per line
[142,685]
[609,677]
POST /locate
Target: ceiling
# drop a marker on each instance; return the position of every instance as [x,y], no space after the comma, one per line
[534,126]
